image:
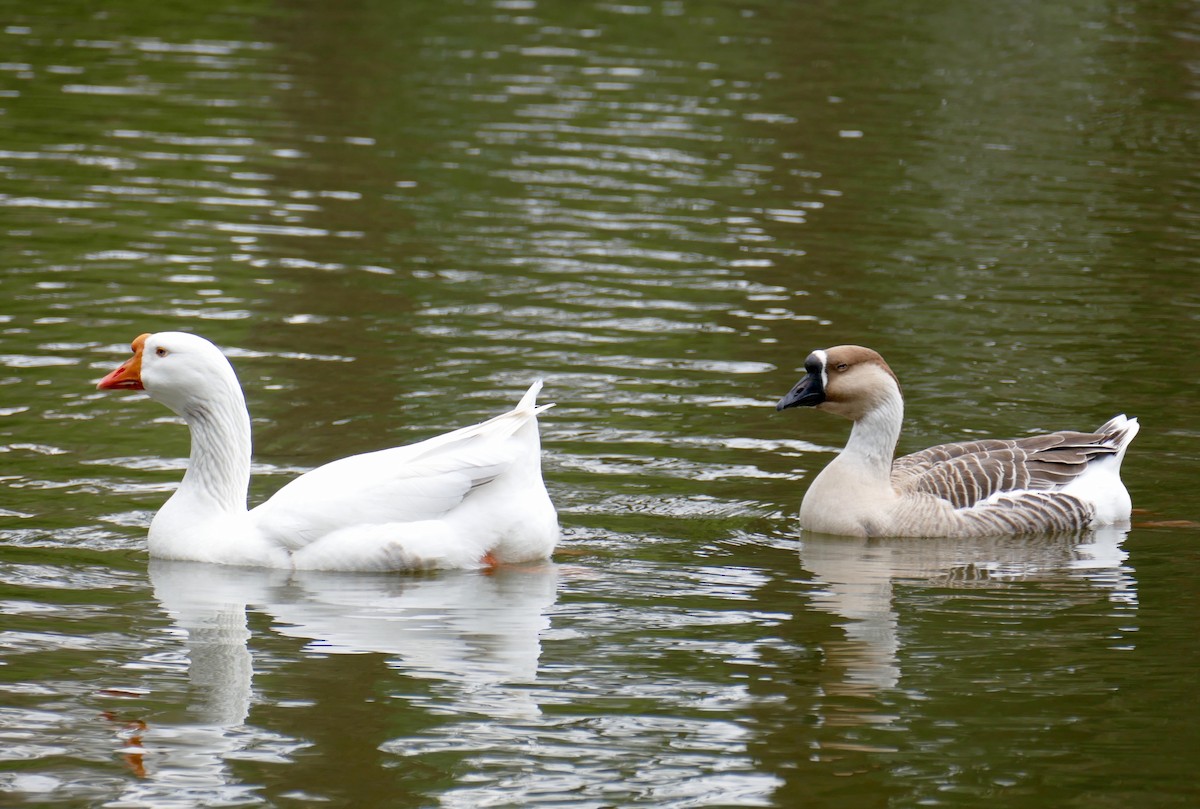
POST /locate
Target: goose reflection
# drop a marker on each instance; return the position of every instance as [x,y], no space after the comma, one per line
[470,627]
[208,607]
[859,575]
[473,633]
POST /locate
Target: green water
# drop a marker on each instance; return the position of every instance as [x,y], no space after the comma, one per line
[394,216]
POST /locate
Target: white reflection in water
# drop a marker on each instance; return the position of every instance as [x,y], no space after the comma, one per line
[472,631]
[859,576]
[472,628]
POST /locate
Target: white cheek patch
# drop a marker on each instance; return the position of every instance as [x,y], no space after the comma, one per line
[824,360]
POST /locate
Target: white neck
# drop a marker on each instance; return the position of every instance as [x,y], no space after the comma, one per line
[219,468]
[873,438]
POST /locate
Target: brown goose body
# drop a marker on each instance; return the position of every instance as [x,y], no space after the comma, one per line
[1060,481]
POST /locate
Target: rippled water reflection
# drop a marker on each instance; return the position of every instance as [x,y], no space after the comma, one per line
[394,217]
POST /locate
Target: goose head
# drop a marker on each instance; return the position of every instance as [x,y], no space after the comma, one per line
[182,371]
[850,381]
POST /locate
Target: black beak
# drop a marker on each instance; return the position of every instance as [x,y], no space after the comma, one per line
[809,392]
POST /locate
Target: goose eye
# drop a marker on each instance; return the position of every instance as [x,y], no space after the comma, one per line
[160,351]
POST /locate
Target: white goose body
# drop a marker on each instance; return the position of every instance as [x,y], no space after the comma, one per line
[1064,481]
[469,498]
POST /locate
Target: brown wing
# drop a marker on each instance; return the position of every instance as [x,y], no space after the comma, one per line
[971,471]
[1029,512]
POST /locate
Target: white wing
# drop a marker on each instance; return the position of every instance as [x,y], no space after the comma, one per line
[420,481]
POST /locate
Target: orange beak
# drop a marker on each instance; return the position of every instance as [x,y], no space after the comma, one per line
[129,375]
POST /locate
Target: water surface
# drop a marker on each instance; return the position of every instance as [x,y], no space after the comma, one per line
[394,217]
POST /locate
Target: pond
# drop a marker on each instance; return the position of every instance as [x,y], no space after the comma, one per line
[394,217]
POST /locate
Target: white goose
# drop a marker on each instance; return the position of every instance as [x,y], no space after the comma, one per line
[1062,481]
[473,497]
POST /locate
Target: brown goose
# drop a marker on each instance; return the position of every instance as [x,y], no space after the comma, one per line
[1062,481]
